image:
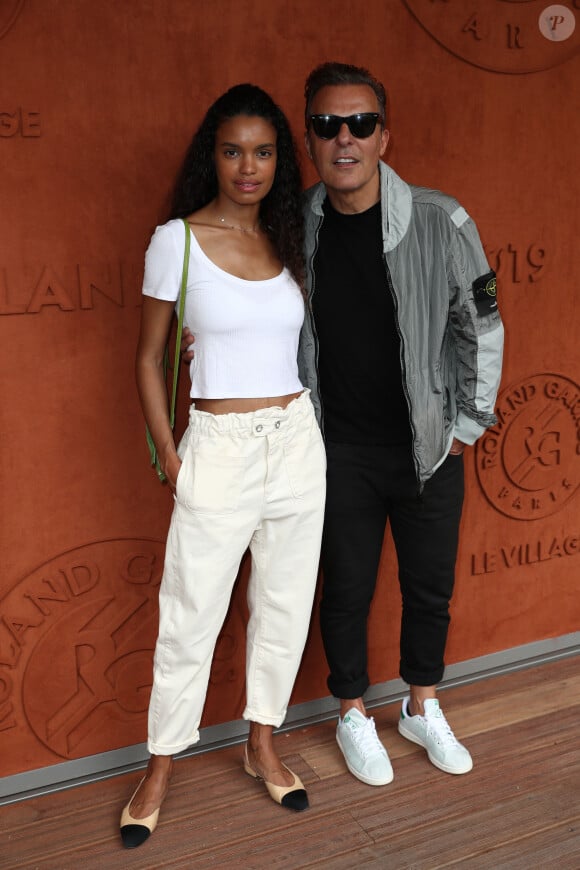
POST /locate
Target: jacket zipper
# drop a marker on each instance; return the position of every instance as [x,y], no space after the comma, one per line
[404,373]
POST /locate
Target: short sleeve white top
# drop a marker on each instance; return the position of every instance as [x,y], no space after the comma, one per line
[246,332]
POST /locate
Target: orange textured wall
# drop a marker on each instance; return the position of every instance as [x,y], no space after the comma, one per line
[97,104]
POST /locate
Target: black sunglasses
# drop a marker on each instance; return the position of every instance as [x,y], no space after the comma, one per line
[362,125]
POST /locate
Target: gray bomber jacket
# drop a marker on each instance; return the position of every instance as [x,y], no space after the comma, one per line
[446,311]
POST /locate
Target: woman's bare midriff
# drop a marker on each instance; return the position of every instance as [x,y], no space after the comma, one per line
[243,406]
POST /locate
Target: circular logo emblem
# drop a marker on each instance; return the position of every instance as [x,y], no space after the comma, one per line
[9,12]
[81,630]
[528,465]
[506,36]
[77,637]
[491,287]
[557,23]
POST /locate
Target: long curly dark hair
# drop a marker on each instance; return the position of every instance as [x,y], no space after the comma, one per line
[281,208]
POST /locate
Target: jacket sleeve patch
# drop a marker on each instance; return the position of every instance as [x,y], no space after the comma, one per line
[485,293]
[459,216]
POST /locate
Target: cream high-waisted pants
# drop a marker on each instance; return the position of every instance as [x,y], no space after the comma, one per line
[252,480]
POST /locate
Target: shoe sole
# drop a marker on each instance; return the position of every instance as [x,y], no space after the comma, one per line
[360,776]
[434,761]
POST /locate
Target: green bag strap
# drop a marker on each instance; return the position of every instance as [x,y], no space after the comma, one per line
[182,294]
[176,363]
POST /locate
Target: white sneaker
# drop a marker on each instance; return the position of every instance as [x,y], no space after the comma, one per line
[365,755]
[433,733]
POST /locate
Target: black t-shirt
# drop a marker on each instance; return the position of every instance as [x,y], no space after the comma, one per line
[359,362]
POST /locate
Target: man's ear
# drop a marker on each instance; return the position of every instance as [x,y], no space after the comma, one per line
[307,144]
[384,141]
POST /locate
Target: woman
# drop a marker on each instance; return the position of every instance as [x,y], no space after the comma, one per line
[250,469]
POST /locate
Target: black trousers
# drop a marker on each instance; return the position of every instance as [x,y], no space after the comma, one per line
[366,486]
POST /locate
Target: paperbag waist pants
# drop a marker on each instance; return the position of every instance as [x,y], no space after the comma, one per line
[252,480]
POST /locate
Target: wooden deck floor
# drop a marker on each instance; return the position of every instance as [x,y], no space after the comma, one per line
[519,807]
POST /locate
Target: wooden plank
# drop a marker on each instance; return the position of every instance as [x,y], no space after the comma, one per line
[519,804]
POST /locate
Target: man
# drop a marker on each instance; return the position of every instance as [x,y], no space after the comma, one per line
[402,350]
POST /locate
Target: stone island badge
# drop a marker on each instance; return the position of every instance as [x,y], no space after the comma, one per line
[485,293]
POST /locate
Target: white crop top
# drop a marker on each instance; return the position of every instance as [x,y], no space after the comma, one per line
[246,332]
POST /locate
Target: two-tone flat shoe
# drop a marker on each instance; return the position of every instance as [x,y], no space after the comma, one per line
[293,797]
[134,832]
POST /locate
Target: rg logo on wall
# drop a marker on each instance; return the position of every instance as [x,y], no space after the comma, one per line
[77,636]
[76,647]
[9,12]
[528,465]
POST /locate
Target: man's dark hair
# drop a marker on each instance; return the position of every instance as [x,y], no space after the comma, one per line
[334,73]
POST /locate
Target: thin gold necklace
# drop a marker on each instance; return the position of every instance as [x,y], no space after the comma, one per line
[247,230]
